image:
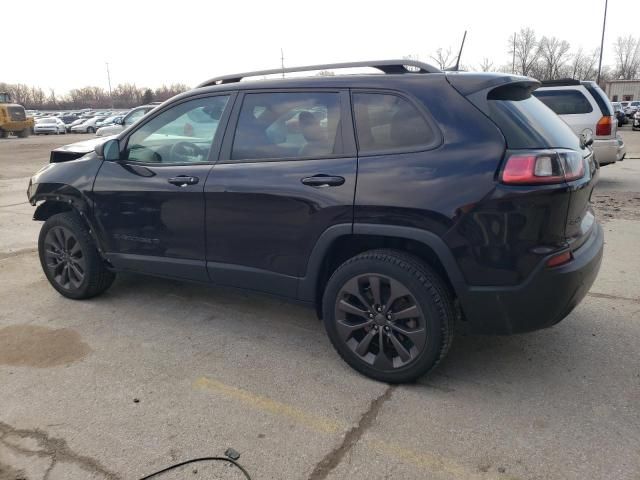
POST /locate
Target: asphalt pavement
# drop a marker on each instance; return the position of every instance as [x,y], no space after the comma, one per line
[155,372]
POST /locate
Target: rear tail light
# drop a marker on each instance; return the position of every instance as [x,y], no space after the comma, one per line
[543,168]
[604,125]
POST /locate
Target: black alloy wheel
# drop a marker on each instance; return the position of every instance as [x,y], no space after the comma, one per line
[64,258]
[70,258]
[380,321]
[389,315]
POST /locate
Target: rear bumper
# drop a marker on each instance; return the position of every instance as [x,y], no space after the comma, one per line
[605,151]
[544,299]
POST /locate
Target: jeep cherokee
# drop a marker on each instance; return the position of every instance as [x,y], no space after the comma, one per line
[398,204]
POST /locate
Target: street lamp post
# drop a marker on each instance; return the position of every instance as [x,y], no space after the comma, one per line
[604,24]
[109,80]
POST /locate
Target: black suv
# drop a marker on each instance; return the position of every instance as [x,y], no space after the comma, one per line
[398,204]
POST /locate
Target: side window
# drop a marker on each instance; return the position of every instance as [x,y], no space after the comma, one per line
[182,134]
[564,102]
[288,125]
[388,122]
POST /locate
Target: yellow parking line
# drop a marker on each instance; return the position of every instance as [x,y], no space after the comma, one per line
[318,424]
[431,462]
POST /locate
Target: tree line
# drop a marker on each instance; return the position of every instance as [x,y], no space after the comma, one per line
[123,96]
[549,58]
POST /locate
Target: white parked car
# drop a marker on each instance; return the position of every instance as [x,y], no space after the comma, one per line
[631,109]
[49,125]
[75,122]
[129,119]
[587,110]
[88,126]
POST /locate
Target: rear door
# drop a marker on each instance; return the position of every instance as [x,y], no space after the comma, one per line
[287,173]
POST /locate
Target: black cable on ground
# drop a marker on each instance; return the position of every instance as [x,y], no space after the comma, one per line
[195,460]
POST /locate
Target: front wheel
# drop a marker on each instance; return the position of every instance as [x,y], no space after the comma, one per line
[70,259]
[389,315]
[90,130]
[24,133]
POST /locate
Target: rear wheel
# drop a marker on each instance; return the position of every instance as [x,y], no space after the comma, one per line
[24,133]
[388,315]
[70,259]
[3,133]
[91,130]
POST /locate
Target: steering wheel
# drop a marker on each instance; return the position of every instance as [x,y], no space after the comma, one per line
[184,152]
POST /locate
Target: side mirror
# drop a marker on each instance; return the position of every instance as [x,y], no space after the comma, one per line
[109,150]
[119,121]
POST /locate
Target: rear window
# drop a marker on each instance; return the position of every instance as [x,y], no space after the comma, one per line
[565,102]
[388,122]
[526,122]
[600,97]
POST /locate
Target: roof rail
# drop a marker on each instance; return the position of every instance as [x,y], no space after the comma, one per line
[386,66]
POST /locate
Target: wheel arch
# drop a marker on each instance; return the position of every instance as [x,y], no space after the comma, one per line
[61,203]
[340,242]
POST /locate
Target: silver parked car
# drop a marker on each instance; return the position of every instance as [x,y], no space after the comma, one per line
[88,126]
[587,110]
[49,125]
[129,119]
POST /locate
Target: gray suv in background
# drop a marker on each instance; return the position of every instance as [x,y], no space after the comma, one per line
[129,119]
[587,110]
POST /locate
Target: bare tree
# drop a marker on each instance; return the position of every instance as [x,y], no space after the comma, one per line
[486,65]
[526,50]
[627,50]
[52,101]
[583,65]
[37,98]
[444,58]
[552,53]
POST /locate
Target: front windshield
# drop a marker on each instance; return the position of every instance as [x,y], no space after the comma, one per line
[48,120]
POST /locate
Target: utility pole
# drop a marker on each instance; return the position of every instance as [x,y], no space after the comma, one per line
[604,24]
[513,65]
[282,61]
[109,80]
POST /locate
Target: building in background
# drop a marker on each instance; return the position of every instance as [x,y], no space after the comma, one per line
[623,90]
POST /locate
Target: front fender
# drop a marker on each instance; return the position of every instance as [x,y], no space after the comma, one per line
[67,186]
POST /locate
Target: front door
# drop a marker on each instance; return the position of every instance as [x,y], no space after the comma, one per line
[150,203]
[286,173]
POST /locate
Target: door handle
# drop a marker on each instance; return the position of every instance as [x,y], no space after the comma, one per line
[183,180]
[323,181]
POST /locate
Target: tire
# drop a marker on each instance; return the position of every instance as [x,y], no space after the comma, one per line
[4,134]
[24,133]
[422,308]
[91,130]
[78,255]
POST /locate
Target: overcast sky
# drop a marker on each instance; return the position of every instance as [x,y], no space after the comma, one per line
[64,45]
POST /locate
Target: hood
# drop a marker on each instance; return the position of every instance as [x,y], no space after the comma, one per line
[76,150]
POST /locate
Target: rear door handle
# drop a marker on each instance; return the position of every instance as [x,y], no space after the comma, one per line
[323,181]
[183,180]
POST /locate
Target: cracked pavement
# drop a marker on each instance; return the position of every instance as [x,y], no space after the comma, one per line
[157,371]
